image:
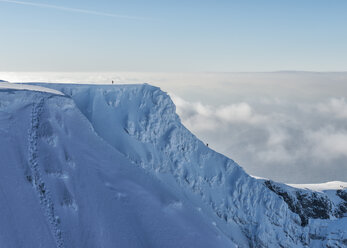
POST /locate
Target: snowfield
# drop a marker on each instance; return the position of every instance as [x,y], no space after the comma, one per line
[112,166]
[6,85]
[335,185]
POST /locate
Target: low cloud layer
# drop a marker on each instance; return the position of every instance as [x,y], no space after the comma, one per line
[294,143]
[288,126]
[207,118]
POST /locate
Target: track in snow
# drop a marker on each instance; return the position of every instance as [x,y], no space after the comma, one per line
[36,176]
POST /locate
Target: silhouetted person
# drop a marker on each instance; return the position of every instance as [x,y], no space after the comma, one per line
[112,82]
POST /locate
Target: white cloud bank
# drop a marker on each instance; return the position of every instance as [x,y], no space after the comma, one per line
[284,144]
[335,106]
[207,118]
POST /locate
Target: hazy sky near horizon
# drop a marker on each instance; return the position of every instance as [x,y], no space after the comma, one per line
[286,126]
[171,35]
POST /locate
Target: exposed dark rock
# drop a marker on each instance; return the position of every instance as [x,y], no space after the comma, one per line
[341,210]
[342,193]
[306,204]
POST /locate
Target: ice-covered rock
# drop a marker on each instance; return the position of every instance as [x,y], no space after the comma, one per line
[309,204]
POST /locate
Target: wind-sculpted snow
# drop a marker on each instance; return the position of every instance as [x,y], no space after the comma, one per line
[140,121]
[122,169]
[61,185]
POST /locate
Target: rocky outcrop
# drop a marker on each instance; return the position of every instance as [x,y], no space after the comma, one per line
[310,204]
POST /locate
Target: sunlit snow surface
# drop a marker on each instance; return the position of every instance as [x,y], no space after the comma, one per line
[112,166]
[335,185]
[12,86]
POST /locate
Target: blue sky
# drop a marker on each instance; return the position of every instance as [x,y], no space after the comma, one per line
[179,36]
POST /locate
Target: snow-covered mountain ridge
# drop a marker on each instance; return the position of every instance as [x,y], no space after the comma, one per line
[114,165]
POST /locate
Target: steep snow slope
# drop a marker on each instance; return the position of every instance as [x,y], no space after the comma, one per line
[113,164]
[61,185]
[142,124]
